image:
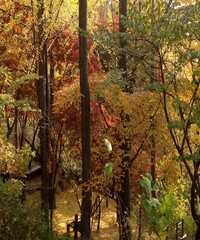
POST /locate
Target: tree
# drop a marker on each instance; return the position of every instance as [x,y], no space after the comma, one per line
[42,88]
[175,75]
[124,206]
[85,122]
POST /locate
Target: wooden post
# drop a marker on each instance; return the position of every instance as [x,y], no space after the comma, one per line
[182,228]
[176,231]
[76,227]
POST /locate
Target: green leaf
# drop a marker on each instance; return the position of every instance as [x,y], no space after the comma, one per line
[108,168]
[156,86]
[149,176]
[6,99]
[146,204]
[146,185]
[155,202]
[176,125]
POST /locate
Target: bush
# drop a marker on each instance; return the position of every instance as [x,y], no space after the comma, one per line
[20,221]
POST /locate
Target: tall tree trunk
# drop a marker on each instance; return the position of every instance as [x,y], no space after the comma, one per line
[124,193]
[43,101]
[85,111]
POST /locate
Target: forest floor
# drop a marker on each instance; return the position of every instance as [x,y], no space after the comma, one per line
[67,206]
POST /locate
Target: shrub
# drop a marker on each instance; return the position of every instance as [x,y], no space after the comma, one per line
[21,221]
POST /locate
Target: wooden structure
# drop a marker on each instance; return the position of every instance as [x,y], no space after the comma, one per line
[75,225]
[180,230]
[33,172]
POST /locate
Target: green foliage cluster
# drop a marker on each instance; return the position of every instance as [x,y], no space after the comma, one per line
[72,170]
[164,208]
[18,220]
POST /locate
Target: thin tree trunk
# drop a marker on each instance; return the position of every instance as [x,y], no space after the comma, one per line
[23,131]
[85,111]
[54,159]
[122,29]
[140,222]
[153,153]
[16,128]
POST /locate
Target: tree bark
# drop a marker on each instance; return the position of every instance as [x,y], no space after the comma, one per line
[124,207]
[85,132]
[153,153]
[43,102]
[16,128]
[23,131]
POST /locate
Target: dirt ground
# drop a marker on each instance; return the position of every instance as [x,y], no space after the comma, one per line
[67,207]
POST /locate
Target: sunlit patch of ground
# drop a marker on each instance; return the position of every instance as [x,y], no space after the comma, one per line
[67,207]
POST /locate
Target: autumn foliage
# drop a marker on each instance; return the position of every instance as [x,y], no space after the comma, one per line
[149,114]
